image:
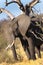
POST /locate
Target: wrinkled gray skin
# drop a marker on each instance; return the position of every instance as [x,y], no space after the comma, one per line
[19,29]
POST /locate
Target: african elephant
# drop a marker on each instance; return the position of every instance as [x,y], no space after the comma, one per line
[12,29]
[36,34]
[19,28]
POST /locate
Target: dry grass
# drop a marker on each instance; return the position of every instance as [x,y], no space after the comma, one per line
[9,60]
[30,62]
[6,57]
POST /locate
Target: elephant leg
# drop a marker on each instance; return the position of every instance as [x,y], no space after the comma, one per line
[31,48]
[14,52]
[38,51]
[25,46]
[28,52]
[26,49]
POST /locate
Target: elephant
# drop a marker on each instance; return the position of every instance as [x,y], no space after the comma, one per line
[36,34]
[12,30]
[19,27]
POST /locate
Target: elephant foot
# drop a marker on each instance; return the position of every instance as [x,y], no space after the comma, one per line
[38,51]
[33,58]
[39,56]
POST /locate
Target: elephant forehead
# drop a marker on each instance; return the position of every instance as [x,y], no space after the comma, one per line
[24,23]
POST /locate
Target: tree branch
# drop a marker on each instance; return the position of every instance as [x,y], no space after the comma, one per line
[34,2]
[7,12]
[12,2]
[19,3]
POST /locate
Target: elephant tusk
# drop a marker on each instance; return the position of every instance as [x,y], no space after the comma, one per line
[10,45]
[36,35]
